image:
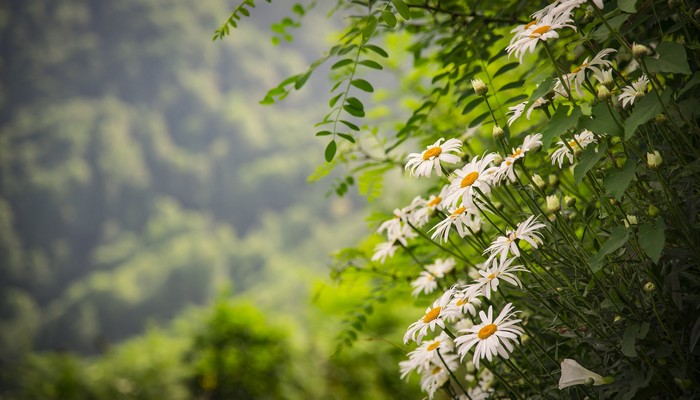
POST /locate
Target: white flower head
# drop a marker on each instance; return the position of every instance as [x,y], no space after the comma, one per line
[527,230]
[578,75]
[426,283]
[467,300]
[516,111]
[491,337]
[507,167]
[580,141]
[572,373]
[422,164]
[466,180]
[434,377]
[435,315]
[491,276]
[541,30]
[631,92]
[441,267]
[463,219]
[384,250]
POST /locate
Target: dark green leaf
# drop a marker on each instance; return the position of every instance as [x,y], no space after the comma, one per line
[298,9]
[334,100]
[355,112]
[476,121]
[516,99]
[347,137]
[628,6]
[370,64]
[369,28]
[402,9]
[506,68]
[589,157]
[603,121]
[512,85]
[618,237]
[646,109]
[545,87]
[560,122]
[652,238]
[672,59]
[362,85]
[330,151]
[350,125]
[376,49]
[342,63]
[629,338]
[617,182]
[355,103]
[389,18]
[302,80]
[323,133]
[603,33]
[471,105]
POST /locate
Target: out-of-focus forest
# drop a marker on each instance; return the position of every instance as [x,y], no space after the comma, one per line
[158,239]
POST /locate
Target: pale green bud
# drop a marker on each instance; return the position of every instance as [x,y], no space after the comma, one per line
[640,50]
[649,287]
[603,93]
[653,211]
[553,204]
[539,182]
[479,87]
[569,201]
[498,132]
[654,159]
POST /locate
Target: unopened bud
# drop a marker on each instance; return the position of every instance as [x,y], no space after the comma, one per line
[661,118]
[649,287]
[538,181]
[603,93]
[553,204]
[640,50]
[630,220]
[617,319]
[498,132]
[569,201]
[524,338]
[479,87]
[653,211]
[654,160]
[553,180]
[696,14]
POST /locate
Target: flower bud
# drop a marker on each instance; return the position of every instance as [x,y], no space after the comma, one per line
[661,118]
[553,180]
[569,201]
[539,182]
[653,211]
[617,319]
[630,220]
[479,87]
[640,50]
[603,93]
[497,159]
[649,287]
[498,132]
[553,204]
[524,338]
[654,159]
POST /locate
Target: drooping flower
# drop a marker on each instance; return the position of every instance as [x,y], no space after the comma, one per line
[435,315]
[526,230]
[441,267]
[467,180]
[637,89]
[572,373]
[384,250]
[516,111]
[506,168]
[426,208]
[462,218]
[491,276]
[580,141]
[426,283]
[578,75]
[541,30]
[422,164]
[435,377]
[467,300]
[491,337]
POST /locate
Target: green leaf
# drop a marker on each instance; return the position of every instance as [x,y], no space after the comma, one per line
[603,121]
[646,109]
[603,33]
[330,151]
[617,182]
[323,133]
[355,112]
[341,63]
[402,9]
[389,18]
[471,105]
[371,64]
[347,137]
[629,338]
[544,87]
[506,68]
[362,85]
[369,28]
[476,121]
[672,59]
[350,125]
[302,80]
[589,158]
[512,85]
[332,101]
[618,237]
[560,122]
[354,103]
[652,238]
[628,6]
[376,49]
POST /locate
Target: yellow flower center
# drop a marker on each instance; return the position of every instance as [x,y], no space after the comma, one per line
[434,152]
[487,331]
[469,179]
[462,302]
[491,276]
[436,370]
[517,153]
[432,314]
[579,68]
[458,211]
[434,202]
[529,24]
[434,345]
[539,31]
[573,143]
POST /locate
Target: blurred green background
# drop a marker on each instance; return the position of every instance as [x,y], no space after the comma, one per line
[158,239]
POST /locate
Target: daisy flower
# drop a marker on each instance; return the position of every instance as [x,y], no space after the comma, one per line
[421,164]
[426,283]
[422,213]
[467,300]
[467,179]
[434,316]
[531,142]
[526,230]
[491,337]
[427,352]
[384,250]
[578,75]
[580,141]
[393,226]
[441,267]
[631,92]
[435,377]
[462,218]
[542,30]
[490,277]
[516,111]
